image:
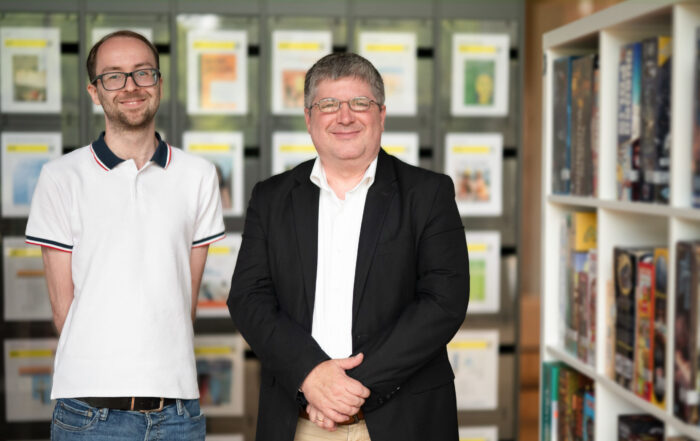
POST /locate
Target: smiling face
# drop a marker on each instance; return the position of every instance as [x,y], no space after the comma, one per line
[345,137]
[133,107]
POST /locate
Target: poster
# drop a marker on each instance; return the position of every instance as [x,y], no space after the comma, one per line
[26,295]
[290,149]
[217,72]
[484,271]
[480,74]
[293,53]
[98,33]
[28,378]
[225,151]
[220,373]
[23,155]
[474,161]
[30,70]
[216,279]
[478,433]
[394,56]
[403,145]
[474,358]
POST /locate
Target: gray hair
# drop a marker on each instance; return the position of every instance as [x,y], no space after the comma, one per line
[343,65]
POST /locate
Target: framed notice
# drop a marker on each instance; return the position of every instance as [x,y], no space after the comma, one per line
[30,70]
[480,74]
[290,149]
[225,151]
[474,161]
[478,433]
[220,373]
[403,145]
[217,72]
[23,155]
[98,33]
[293,53]
[28,379]
[216,279]
[26,296]
[394,56]
[484,271]
[474,358]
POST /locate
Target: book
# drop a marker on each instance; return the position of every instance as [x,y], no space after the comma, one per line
[628,122]
[644,328]
[695,156]
[639,427]
[595,130]
[549,410]
[561,123]
[658,395]
[588,416]
[581,85]
[685,395]
[655,138]
[625,276]
[590,307]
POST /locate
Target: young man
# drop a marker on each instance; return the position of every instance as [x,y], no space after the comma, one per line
[124,225]
[352,253]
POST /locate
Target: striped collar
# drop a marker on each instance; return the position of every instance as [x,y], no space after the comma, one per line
[108,160]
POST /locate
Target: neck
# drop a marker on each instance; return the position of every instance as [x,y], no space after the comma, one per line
[345,177]
[138,145]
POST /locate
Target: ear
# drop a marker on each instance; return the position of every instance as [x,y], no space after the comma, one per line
[382,115]
[92,90]
[307,118]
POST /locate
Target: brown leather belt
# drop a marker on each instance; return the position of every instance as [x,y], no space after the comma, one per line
[140,404]
[359,416]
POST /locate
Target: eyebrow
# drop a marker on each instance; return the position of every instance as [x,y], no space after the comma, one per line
[136,67]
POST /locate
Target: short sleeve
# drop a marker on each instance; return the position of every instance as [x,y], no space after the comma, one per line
[210,222]
[49,215]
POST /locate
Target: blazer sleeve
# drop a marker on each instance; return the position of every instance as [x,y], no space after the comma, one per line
[430,320]
[282,345]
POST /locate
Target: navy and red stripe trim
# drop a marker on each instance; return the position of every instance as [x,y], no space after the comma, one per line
[208,240]
[48,243]
[107,160]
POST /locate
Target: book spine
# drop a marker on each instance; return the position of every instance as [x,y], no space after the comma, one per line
[658,396]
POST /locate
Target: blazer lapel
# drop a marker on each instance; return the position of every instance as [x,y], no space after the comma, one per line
[305,207]
[376,207]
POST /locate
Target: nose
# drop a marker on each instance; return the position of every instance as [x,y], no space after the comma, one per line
[130,83]
[344,114]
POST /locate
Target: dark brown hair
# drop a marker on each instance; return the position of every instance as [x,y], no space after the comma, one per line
[92,56]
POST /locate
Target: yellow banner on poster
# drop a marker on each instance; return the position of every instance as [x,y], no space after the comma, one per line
[468,344]
[298,46]
[201,147]
[24,252]
[477,247]
[26,42]
[394,149]
[218,45]
[219,250]
[477,49]
[27,148]
[213,350]
[31,353]
[297,148]
[473,149]
[378,47]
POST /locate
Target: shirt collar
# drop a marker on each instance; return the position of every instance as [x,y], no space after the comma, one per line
[108,160]
[318,175]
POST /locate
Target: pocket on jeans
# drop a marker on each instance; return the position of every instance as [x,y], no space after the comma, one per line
[74,418]
[192,409]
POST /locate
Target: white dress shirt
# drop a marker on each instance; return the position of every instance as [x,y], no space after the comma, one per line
[339,223]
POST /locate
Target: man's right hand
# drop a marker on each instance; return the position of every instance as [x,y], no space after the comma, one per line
[332,392]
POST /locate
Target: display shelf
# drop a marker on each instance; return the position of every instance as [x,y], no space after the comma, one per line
[620,223]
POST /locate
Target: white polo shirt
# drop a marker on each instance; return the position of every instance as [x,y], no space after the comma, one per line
[129,328]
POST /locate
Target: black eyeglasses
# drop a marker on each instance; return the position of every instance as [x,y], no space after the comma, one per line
[332,105]
[117,80]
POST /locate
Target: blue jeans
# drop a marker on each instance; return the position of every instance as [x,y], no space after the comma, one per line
[76,420]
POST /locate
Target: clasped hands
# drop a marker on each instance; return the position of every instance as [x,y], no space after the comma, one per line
[332,395]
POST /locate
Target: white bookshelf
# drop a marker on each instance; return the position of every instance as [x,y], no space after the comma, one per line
[621,223]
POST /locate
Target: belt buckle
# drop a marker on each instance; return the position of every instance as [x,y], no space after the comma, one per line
[160,407]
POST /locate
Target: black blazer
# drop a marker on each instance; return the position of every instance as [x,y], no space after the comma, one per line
[410,297]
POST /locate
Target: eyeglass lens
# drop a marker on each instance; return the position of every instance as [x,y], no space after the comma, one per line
[357,104]
[117,80]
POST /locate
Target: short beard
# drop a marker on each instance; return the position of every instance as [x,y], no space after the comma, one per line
[121,122]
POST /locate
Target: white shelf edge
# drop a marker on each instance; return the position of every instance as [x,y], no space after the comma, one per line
[615,15]
[577,201]
[647,208]
[641,404]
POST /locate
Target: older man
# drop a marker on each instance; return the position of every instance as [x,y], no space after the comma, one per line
[352,253]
